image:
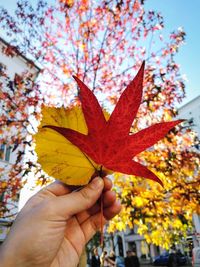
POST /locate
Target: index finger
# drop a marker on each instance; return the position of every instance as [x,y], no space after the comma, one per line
[57,188]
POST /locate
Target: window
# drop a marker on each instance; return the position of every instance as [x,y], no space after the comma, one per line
[120,246]
[7,156]
[2,149]
[5,152]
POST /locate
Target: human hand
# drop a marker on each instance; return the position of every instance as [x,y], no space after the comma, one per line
[55,225]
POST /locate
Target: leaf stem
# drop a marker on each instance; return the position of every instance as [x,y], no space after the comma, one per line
[101,174]
[101,230]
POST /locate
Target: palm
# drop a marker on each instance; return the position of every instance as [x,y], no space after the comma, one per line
[63,247]
[72,244]
[54,226]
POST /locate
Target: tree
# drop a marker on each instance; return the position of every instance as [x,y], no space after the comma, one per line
[19,100]
[103,43]
[82,41]
[163,215]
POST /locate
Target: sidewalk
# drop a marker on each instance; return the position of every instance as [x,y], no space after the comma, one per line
[150,265]
[147,263]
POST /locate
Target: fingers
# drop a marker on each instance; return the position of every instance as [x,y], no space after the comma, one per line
[107,184]
[93,223]
[57,188]
[112,210]
[91,226]
[109,198]
[82,200]
[54,189]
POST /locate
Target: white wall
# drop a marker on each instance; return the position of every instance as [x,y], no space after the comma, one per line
[16,64]
[191,110]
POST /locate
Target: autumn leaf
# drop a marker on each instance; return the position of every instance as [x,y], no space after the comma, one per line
[105,145]
[58,156]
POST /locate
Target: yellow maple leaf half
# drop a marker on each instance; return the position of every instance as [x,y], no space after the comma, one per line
[58,156]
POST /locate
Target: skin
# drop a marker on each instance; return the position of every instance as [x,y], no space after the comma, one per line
[55,225]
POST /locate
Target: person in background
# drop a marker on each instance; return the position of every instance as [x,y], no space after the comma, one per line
[172,261]
[111,259]
[95,262]
[131,259]
[119,261]
[104,259]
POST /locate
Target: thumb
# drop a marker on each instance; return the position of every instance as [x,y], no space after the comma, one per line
[76,202]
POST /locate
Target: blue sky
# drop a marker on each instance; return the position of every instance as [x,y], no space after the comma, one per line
[186,14]
[176,13]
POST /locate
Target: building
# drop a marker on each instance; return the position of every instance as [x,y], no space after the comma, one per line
[18,63]
[130,240]
[15,64]
[191,112]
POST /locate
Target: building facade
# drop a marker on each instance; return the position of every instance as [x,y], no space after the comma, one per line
[191,112]
[15,64]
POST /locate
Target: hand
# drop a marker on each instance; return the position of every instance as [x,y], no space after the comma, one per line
[55,225]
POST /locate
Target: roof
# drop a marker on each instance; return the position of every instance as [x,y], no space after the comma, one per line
[21,55]
[190,102]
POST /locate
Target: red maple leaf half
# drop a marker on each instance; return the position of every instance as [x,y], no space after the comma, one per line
[109,143]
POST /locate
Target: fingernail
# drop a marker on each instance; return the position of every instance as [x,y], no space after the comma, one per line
[97,182]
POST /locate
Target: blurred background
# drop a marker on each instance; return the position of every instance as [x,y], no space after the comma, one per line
[44,43]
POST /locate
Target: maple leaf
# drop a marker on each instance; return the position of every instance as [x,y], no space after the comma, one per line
[109,143]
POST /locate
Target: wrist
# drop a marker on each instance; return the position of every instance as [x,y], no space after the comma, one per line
[6,260]
[9,256]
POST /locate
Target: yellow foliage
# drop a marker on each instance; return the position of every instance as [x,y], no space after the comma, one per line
[139,201]
[177,224]
[142,229]
[3,184]
[162,215]
[57,156]
[118,222]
